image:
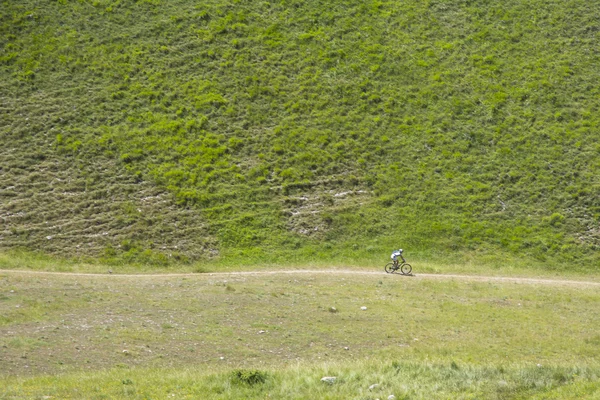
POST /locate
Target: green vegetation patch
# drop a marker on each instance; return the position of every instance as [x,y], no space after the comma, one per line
[249,377]
[357,380]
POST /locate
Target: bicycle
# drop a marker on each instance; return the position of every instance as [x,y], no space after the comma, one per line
[405,268]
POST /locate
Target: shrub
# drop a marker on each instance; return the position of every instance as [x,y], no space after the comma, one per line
[556,219]
[249,377]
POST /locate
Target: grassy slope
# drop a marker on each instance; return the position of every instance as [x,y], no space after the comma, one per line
[304,129]
[64,336]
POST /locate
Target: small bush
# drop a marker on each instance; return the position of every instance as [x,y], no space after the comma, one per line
[387,200]
[249,376]
[556,219]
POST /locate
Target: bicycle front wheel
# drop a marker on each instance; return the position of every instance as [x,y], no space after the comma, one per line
[389,268]
[406,269]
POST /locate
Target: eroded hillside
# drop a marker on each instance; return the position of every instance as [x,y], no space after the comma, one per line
[157,130]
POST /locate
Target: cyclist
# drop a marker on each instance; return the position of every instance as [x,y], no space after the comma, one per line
[396,254]
[399,263]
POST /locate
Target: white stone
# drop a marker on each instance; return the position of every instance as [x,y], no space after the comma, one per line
[328,379]
[363,308]
[374,386]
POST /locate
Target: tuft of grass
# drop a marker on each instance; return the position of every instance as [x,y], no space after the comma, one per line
[249,377]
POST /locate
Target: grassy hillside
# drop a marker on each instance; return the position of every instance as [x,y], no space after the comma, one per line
[157,130]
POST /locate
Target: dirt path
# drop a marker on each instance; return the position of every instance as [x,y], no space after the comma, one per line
[474,278]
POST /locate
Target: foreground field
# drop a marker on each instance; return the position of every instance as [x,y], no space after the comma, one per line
[159,336]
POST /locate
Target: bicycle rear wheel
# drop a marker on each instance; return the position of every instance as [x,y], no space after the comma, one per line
[406,269]
[389,268]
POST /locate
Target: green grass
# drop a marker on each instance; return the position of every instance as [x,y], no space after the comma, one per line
[138,337]
[405,380]
[165,132]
